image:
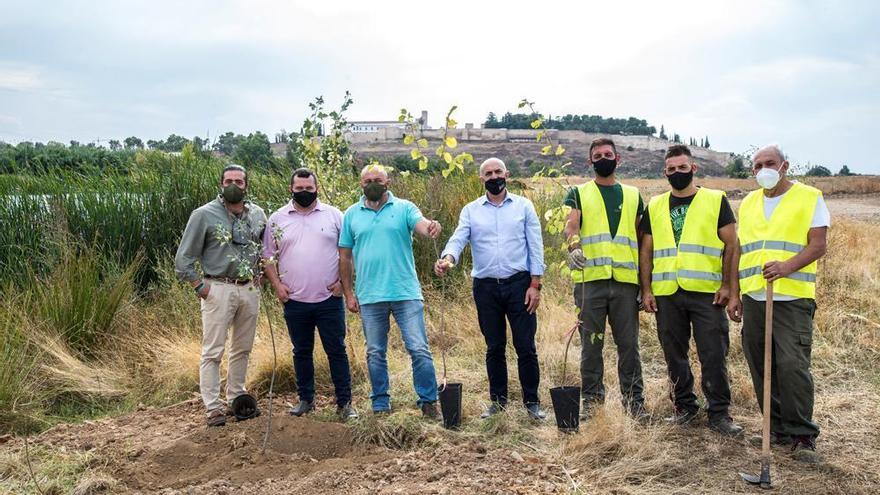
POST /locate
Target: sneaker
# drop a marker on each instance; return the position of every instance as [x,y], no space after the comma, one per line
[804,449]
[429,411]
[535,412]
[493,409]
[682,416]
[726,426]
[302,408]
[776,439]
[589,408]
[638,412]
[347,412]
[217,417]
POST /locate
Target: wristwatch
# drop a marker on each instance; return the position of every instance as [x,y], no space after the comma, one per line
[534,285]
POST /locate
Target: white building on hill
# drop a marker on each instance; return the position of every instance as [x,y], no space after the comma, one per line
[365,126]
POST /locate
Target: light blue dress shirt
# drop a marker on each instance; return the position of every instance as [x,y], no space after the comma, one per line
[505,239]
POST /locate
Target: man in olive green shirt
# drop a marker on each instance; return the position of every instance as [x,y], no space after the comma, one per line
[224,237]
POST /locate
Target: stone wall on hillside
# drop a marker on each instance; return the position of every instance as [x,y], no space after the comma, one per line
[650,143]
[641,156]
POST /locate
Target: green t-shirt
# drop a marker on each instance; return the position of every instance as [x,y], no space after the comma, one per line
[612,196]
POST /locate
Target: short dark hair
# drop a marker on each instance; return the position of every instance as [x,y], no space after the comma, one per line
[233,166]
[677,150]
[303,173]
[602,142]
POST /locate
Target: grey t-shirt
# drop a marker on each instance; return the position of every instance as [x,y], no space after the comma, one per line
[226,245]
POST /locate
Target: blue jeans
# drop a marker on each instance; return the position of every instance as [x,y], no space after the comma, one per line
[410,317]
[329,317]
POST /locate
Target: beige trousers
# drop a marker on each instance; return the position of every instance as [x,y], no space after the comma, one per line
[227,305]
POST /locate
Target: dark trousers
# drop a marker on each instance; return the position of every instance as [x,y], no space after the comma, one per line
[495,300]
[329,317]
[676,315]
[618,302]
[791,389]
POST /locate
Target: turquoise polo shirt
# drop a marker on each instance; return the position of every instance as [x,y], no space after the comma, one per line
[381,242]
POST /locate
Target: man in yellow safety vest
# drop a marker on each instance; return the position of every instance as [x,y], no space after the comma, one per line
[603,257]
[783,226]
[687,249]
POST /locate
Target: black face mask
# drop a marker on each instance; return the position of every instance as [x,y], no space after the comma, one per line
[374,191]
[496,185]
[233,194]
[680,180]
[604,167]
[305,198]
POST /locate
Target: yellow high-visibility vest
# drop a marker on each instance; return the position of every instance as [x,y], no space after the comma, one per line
[778,239]
[695,264]
[608,257]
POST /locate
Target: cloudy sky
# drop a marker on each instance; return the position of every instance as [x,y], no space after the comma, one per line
[804,74]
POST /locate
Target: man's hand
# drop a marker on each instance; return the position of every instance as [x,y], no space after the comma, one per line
[282,291]
[335,288]
[722,296]
[649,304]
[735,308]
[533,298]
[774,270]
[576,260]
[351,302]
[206,289]
[434,229]
[442,265]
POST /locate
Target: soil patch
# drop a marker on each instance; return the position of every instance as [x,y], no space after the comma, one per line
[234,453]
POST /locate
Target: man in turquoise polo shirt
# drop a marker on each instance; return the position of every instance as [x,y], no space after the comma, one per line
[376,243]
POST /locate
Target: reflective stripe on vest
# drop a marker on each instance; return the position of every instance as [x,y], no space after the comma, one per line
[777,239]
[695,264]
[608,257]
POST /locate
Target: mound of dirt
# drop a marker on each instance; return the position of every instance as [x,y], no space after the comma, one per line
[234,453]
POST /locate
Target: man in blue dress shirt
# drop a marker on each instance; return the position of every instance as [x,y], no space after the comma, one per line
[505,236]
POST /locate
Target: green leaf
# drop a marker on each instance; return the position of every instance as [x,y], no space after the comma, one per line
[451,142]
[447,157]
[405,173]
[423,143]
[423,163]
[446,172]
[451,123]
[539,136]
[408,139]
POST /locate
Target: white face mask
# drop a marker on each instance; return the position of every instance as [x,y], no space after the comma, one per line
[767,178]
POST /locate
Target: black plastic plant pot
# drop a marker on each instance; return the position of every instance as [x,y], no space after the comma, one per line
[566,407]
[450,405]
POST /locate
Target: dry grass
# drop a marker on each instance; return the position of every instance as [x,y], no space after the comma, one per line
[159,352]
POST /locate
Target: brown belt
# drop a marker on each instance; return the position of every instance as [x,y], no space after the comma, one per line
[236,281]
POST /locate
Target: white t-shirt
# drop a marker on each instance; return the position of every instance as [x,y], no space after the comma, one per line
[821,218]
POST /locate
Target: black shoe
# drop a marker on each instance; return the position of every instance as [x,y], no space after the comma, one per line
[804,449]
[493,409]
[726,426]
[682,416]
[302,408]
[776,439]
[429,411]
[216,418]
[589,408]
[347,412]
[535,412]
[638,412]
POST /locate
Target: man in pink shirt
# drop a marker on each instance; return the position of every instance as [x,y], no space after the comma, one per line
[302,263]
